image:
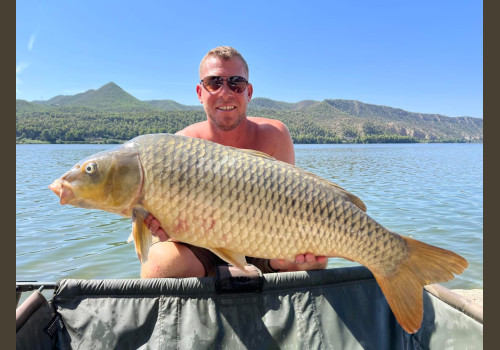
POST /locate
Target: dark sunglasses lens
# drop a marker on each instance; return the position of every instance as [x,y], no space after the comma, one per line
[212,83]
[237,84]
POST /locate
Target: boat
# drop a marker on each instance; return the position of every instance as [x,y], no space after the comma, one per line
[323,309]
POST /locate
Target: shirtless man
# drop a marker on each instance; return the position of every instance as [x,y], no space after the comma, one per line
[225,92]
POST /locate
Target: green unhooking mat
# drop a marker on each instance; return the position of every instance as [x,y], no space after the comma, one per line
[330,309]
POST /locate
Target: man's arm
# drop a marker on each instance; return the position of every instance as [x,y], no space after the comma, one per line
[303,262]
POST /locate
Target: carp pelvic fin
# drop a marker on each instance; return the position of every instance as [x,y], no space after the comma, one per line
[233,258]
[403,289]
[141,235]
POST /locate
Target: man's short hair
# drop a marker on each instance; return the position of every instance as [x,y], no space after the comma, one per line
[226,53]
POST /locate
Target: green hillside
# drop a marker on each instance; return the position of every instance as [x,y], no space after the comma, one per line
[110,114]
[171,105]
[266,103]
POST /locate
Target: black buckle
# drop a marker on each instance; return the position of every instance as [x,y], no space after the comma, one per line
[230,279]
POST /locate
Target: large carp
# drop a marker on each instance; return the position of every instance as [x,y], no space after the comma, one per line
[241,203]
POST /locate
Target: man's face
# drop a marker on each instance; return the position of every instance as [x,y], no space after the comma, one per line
[224,108]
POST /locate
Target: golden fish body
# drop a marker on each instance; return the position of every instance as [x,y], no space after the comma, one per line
[241,203]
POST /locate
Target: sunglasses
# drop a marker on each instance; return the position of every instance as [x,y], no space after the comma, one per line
[235,83]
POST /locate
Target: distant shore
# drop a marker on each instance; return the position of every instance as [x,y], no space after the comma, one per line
[115,141]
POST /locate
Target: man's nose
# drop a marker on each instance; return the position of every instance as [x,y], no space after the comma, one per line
[225,90]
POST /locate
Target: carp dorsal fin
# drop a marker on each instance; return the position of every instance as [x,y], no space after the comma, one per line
[255,153]
[351,197]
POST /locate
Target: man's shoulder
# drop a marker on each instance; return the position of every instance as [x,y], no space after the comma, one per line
[194,130]
[273,138]
[268,124]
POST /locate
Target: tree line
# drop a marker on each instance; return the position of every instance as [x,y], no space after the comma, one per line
[77,124]
[82,125]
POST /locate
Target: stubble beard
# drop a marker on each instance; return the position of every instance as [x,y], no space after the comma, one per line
[226,127]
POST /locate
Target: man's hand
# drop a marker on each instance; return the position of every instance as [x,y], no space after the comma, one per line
[303,262]
[155,229]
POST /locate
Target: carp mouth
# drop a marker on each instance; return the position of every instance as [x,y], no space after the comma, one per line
[62,190]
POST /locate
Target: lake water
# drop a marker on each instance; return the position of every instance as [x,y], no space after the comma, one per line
[431,192]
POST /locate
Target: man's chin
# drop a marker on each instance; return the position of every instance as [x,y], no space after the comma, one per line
[227,124]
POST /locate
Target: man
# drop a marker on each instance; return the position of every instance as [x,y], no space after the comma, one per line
[224,92]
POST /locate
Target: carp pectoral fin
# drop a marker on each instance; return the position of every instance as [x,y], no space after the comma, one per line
[141,235]
[131,237]
[233,258]
[403,289]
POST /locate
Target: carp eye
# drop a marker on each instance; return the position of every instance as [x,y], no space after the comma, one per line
[90,168]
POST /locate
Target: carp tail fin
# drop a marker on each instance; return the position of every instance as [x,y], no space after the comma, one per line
[426,264]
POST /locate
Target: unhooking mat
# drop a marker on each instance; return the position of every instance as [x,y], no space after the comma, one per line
[329,309]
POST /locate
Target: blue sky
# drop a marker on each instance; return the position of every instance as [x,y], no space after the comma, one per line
[421,56]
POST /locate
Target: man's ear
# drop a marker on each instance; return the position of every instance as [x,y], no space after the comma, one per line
[198,92]
[250,91]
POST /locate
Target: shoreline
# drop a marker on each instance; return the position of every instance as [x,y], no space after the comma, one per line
[474,295]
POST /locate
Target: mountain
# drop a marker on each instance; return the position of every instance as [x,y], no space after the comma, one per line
[109,97]
[110,114]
